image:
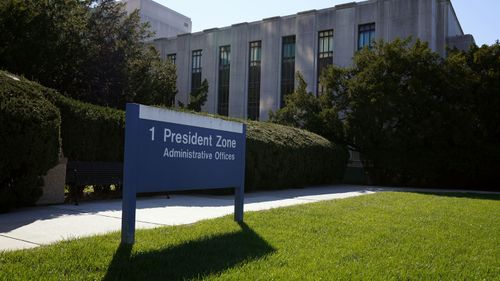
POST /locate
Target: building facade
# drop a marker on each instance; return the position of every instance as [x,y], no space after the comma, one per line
[164,21]
[250,67]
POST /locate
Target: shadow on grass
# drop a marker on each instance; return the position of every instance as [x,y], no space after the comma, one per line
[189,260]
[481,196]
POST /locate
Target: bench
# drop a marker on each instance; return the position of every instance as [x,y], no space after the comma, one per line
[80,174]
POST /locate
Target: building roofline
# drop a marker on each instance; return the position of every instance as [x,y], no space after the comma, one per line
[271,18]
[336,7]
[345,5]
[305,12]
[239,24]
[164,7]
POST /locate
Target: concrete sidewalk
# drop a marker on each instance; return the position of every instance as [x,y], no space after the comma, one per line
[32,227]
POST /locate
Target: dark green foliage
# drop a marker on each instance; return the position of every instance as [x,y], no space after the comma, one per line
[277,156]
[301,108]
[285,157]
[198,97]
[395,106]
[90,50]
[90,132]
[484,65]
[29,140]
[307,111]
[156,85]
[42,40]
[419,119]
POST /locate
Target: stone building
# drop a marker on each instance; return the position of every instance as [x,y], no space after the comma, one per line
[164,22]
[250,67]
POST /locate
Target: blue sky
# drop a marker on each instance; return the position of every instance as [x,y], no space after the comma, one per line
[480,18]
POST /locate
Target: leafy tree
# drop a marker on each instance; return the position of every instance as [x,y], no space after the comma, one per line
[117,55]
[333,112]
[197,97]
[484,95]
[416,117]
[157,85]
[389,105]
[43,40]
[307,111]
[90,50]
[301,108]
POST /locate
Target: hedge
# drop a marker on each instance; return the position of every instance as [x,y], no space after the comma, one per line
[284,157]
[277,156]
[90,132]
[31,126]
[29,140]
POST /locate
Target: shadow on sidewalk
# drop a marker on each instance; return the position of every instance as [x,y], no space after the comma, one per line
[21,217]
[193,259]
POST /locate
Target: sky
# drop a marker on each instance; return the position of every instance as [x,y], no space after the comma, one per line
[480,18]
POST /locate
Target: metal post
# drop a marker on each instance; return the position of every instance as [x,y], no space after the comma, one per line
[128,214]
[239,192]
[129,188]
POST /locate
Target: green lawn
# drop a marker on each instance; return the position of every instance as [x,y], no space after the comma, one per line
[386,236]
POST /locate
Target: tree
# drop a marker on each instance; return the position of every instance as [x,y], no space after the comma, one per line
[483,64]
[44,41]
[333,104]
[90,50]
[398,113]
[301,108]
[119,63]
[416,117]
[153,81]
[197,97]
[314,113]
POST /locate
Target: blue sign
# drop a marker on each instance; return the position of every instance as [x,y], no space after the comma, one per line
[167,150]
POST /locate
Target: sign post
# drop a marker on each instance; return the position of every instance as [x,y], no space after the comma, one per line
[167,150]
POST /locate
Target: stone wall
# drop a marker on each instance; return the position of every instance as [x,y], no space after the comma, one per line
[54,181]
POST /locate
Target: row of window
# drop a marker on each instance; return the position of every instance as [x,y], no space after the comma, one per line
[366,37]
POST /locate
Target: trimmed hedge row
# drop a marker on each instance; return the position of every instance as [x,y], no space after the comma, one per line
[284,157]
[32,119]
[29,140]
[277,156]
[90,132]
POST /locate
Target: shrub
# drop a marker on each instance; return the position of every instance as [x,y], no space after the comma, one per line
[90,132]
[29,140]
[419,119]
[284,157]
[277,156]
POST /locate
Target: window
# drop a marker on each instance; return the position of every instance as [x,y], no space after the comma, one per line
[254,80]
[171,58]
[287,67]
[224,70]
[325,54]
[196,70]
[366,35]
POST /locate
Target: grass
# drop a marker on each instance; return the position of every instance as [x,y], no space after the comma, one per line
[386,236]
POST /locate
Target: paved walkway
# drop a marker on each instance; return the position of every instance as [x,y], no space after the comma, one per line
[32,227]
